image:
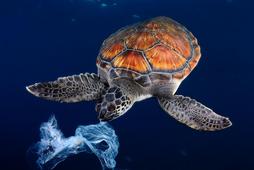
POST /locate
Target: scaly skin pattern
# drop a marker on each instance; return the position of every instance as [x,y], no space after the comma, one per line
[193,114]
[113,104]
[70,89]
[150,58]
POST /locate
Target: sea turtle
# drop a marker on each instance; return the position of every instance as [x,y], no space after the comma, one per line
[143,60]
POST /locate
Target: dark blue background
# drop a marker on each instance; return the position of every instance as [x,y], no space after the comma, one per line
[41,40]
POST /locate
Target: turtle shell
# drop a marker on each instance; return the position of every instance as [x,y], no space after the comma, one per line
[150,49]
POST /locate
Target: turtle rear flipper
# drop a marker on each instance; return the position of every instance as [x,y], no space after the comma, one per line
[193,113]
[70,89]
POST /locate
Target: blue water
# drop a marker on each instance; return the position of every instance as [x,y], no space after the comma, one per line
[41,40]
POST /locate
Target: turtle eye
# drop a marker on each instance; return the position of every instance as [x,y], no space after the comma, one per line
[143,81]
[112,74]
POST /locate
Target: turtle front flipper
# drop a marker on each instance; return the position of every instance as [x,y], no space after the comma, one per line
[114,103]
[70,89]
[193,113]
